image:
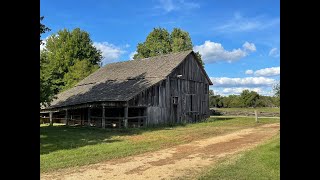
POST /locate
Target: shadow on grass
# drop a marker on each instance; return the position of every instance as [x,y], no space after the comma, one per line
[54,138]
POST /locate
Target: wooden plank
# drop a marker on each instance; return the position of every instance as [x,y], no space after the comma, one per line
[136,117]
[103,117]
[66,118]
[89,114]
[126,117]
[50,115]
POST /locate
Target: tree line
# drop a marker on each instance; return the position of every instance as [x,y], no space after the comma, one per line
[245,99]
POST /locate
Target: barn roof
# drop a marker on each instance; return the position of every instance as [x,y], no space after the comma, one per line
[121,81]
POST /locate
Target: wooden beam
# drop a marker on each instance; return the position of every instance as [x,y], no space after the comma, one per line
[89,116]
[126,117]
[66,118]
[103,117]
[50,115]
[136,117]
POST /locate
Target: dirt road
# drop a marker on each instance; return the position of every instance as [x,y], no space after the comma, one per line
[180,161]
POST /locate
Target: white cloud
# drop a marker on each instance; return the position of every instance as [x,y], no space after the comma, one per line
[132,54]
[212,52]
[110,52]
[43,46]
[249,47]
[249,71]
[170,5]
[238,23]
[242,82]
[274,52]
[273,71]
[44,42]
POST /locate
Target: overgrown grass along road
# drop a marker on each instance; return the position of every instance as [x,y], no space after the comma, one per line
[63,146]
[263,162]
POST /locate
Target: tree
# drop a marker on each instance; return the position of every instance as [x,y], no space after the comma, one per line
[159,42]
[46,93]
[180,40]
[249,98]
[77,72]
[212,100]
[276,89]
[65,50]
[46,90]
[43,28]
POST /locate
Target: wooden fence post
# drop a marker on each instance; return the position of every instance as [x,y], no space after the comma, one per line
[256,115]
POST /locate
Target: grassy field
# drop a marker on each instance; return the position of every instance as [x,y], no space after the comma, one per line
[62,146]
[262,109]
[262,162]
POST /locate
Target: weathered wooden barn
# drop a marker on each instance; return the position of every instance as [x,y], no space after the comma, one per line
[165,89]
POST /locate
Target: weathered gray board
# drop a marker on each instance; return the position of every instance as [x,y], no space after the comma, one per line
[191,89]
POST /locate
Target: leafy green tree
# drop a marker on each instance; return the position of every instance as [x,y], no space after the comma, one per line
[157,43]
[249,98]
[66,49]
[160,41]
[212,100]
[43,28]
[77,72]
[235,101]
[46,93]
[276,89]
[180,40]
[46,90]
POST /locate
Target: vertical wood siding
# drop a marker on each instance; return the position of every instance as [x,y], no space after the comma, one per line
[191,88]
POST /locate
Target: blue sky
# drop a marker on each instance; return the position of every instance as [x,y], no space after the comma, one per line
[239,40]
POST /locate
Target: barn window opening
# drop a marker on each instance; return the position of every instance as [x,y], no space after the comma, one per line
[175,100]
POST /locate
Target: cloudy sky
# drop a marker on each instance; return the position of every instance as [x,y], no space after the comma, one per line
[239,40]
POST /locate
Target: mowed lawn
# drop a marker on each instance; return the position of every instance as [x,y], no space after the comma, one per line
[263,162]
[62,146]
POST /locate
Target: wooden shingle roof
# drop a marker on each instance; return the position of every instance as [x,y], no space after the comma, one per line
[120,81]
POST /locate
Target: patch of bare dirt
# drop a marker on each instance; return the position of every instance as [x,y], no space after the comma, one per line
[172,163]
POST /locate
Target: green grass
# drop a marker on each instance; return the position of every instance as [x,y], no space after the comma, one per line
[262,109]
[262,162]
[62,146]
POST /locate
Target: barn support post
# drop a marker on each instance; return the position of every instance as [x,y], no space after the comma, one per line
[139,120]
[50,115]
[66,118]
[103,117]
[126,117]
[89,116]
